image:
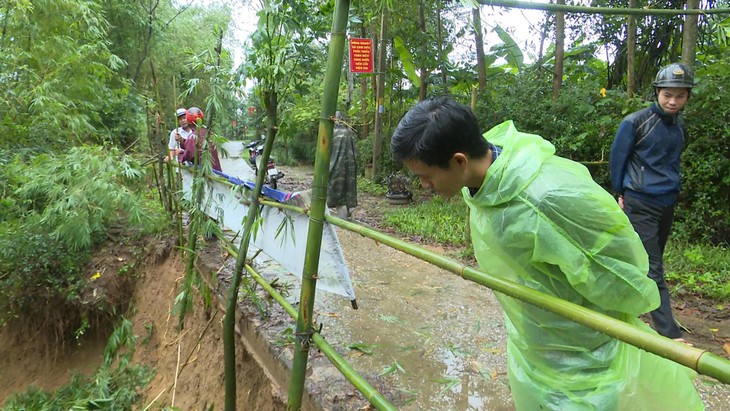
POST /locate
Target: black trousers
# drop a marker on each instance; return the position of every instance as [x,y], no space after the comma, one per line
[653,224]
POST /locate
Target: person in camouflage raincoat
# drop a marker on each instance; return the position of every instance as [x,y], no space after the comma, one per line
[342,188]
[540,221]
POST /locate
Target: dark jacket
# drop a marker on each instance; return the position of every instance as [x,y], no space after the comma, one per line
[645,156]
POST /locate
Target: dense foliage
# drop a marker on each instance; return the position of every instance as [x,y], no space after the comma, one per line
[92,71]
[56,210]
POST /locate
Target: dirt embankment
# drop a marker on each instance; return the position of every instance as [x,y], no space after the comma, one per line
[188,364]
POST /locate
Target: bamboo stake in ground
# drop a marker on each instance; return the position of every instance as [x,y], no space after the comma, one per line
[319,198]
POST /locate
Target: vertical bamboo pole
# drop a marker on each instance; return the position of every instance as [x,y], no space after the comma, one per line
[319,197]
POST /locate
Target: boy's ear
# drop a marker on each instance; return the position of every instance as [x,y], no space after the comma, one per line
[460,158]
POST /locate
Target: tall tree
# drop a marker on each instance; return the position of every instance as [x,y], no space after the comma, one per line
[425,71]
[689,34]
[479,41]
[559,52]
[380,94]
[631,51]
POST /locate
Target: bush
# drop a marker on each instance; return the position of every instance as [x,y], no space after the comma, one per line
[703,212]
[583,122]
[58,209]
[697,269]
[39,275]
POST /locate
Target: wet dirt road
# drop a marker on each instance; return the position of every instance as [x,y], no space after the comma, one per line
[434,337]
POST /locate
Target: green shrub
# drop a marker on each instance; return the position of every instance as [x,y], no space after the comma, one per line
[582,124]
[368,186]
[703,212]
[364,153]
[36,271]
[303,148]
[698,269]
[78,195]
[59,209]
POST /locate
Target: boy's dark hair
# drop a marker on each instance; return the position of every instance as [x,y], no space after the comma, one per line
[433,130]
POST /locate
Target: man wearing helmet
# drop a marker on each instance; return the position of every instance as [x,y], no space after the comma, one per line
[644,165]
[179,135]
[199,133]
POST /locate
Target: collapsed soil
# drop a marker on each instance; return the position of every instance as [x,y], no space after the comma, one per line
[188,365]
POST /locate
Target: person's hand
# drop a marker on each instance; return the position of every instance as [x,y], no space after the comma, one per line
[166,159]
[621,202]
[178,138]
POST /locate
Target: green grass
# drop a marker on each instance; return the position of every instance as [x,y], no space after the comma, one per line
[702,270]
[439,220]
[365,185]
[698,269]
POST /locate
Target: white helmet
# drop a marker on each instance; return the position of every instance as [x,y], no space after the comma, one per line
[181,112]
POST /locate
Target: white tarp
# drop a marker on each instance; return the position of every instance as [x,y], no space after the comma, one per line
[288,248]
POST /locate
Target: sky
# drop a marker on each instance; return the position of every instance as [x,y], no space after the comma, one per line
[516,22]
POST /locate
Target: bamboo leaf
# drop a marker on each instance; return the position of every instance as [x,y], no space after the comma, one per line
[448,384]
[362,347]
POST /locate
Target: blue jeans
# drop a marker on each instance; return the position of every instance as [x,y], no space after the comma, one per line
[653,224]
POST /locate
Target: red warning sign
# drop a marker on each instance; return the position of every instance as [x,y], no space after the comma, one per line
[361,55]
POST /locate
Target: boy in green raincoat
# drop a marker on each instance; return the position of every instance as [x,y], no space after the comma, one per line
[541,221]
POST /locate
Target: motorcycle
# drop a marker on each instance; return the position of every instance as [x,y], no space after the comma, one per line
[255,154]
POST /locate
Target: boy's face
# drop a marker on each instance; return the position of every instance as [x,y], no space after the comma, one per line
[182,121]
[672,100]
[445,182]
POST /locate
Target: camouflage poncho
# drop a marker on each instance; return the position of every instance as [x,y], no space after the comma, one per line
[342,189]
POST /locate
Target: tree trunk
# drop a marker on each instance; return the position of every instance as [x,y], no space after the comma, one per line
[631,52]
[544,31]
[559,52]
[479,40]
[423,87]
[689,34]
[380,94]
[8,9]
[364,92]
[442,58]
[147,39]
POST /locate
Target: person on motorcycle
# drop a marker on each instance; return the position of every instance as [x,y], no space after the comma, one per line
[179,135]
[194,117]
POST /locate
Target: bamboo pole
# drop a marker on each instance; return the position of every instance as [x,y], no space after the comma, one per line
[319,197]
[600,10]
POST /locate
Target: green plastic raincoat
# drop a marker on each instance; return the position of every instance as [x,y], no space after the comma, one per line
[541,221]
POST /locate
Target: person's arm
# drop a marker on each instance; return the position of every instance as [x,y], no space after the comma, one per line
[172,145]
[623,145]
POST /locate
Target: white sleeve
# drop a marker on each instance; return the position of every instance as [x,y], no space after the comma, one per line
[172,144]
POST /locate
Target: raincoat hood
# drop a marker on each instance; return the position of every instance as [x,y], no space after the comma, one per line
[516,167]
